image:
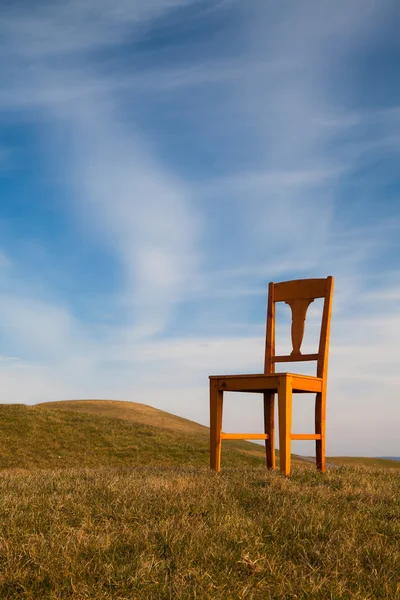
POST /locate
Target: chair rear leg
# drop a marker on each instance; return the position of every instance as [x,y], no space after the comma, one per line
[320,427]
[269,428]
[285,422]
[216,401]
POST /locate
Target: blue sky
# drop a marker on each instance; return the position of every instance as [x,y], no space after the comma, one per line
[160,162]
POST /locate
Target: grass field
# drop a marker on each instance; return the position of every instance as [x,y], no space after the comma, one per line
[136,533]
[95,504]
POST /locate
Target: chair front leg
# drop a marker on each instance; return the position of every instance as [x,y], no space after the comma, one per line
[285,422]
[216,402]
[320,427]
[269,428]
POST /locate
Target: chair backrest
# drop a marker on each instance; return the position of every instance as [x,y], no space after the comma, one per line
[299,294]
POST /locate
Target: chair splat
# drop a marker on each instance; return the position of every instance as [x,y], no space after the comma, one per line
[299,308]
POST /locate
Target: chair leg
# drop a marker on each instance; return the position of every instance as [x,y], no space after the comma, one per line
[216,400]
[285,422]
[320,427]
[269,428]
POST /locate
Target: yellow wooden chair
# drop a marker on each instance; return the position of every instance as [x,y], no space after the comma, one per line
[298,295]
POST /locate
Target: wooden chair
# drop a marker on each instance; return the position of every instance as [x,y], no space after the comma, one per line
[298,295]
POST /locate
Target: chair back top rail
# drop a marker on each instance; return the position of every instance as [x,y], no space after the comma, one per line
[300,289]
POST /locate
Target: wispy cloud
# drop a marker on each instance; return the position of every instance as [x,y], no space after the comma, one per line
[142,211]
[4,261]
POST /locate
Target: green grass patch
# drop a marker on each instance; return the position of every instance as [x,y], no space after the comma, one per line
[34,438]
[130,411]
[144,533]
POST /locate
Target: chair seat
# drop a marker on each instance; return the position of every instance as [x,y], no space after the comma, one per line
[260,383]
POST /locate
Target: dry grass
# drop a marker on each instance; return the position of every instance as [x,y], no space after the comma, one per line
[142,414]
[349,461]
[187,533]
[130,411]
[38,438]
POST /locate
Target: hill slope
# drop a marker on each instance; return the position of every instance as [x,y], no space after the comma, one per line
[147,415]
[130,411]
[94,433]
[36,437]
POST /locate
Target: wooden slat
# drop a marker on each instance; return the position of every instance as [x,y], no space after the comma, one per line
[305,436]
[299,311]
[294,358]
[299,289]
[248,383]
[242,376]
[307,384]
[265,383]
[262,376]
[244,436]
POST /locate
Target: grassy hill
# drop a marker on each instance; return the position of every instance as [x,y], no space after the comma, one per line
[96,433]
[147,415]
[130,411]
[42,437]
